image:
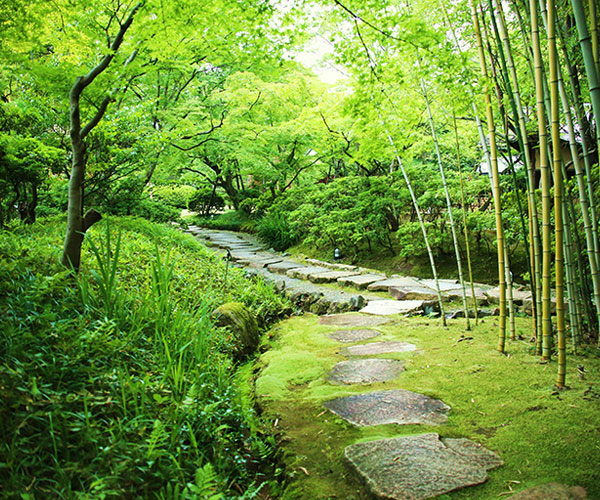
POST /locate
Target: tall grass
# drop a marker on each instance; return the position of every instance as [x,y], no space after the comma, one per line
[123,388]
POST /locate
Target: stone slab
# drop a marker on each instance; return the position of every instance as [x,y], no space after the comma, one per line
[444,285]
[354,335]
[551,491]
[361,280]
[412,293]
[390,306]
[383,285]
[284,266]
[264,262]
[399,406]
[380,348]
[329,276]
[365,371]
[352,320]
[332,265]
[519,296]
[419,467]
[302,273]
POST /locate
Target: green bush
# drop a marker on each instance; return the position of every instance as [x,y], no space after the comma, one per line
[275,231]
[175,195]
[202,197]
[229,221]
[122,387]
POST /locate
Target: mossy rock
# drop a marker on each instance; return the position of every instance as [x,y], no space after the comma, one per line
[243,326]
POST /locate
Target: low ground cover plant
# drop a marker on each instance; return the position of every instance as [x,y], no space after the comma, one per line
[117,384]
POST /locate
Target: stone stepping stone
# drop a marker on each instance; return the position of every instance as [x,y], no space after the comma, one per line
[264,262]
[354,335]
[383,285]
[445,285]
[302,273]
[551,491]
[412,293]
[519,296]
[389,407]
[332,265]
[361,280]
[329,276]
[390,306]
[365,371]
[380,348]
[420,467]
[352,320]
[284,266]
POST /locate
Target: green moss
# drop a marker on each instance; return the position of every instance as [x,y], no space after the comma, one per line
[241,322]
[506,403]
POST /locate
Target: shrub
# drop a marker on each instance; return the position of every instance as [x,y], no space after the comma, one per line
[275,231]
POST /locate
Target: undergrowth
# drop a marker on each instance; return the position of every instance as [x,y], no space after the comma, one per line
[117,384]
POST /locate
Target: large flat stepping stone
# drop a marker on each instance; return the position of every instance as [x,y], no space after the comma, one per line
[412,293]
[390,306]
[420,467]
[383,285]
[284,266]
[354,335]
[389,407]
[302,273]
[551,491]
[352,320]
[365,371]
[445,285]
[329,276]
[332,265]
[380,348]
[519,296]
[361,280]
[264,262]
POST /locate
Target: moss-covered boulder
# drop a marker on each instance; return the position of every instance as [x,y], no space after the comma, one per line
[243,326]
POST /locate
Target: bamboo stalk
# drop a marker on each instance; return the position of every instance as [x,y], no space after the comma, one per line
[558,196]
[496,190]
[464,214]
[448,202]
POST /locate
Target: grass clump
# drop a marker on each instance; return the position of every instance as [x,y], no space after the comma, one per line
[119,385]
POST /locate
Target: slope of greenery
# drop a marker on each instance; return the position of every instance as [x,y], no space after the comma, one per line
[507,403]
[117,384]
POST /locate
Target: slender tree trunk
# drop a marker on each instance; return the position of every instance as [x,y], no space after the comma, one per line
[496,189]
[448,204]
[77,225]
[558,195]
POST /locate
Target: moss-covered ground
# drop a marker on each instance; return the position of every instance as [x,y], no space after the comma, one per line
[505,402]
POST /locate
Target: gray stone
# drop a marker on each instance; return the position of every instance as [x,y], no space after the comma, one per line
[444,285]
[551,491]
[380,348]
[354,335]
[480,295]
[352,320]
[283,267]
[365,371]
[361,280]
[383,285]
[389,407]
[303,273]
[329,276]
[419,467]
[387,307]
[264,262]
[332,265]
[357,302]
[412,293]
[519,296]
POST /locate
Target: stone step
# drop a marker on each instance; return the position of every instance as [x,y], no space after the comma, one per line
[361,281]
[398,406]
[389,306]
[385,284]
[329,276]
[422,466]
[365,371]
